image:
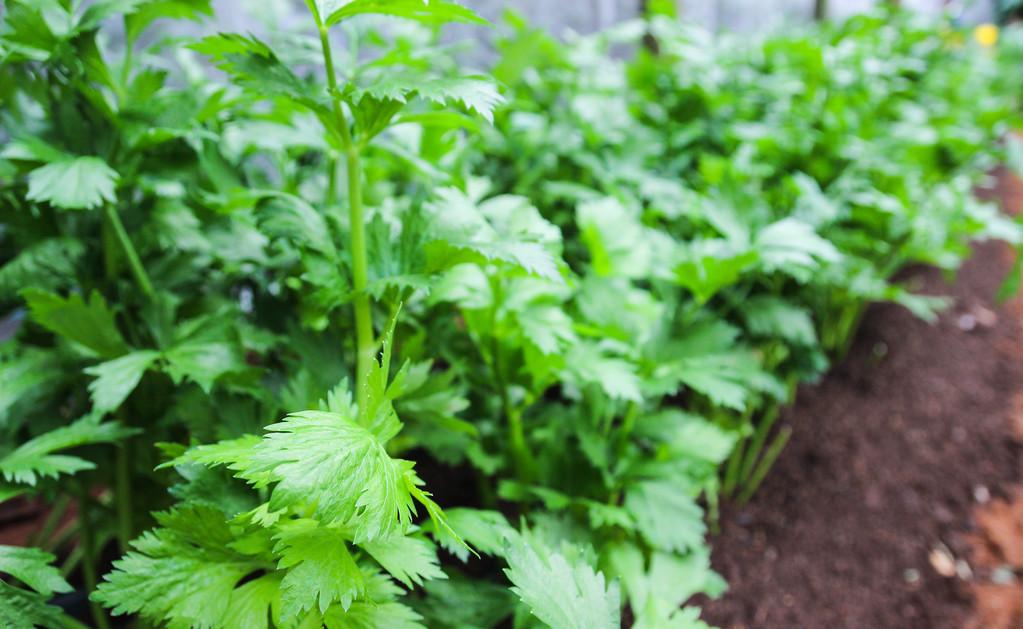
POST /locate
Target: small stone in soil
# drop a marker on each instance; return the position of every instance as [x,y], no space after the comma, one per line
[963,570]
[966,322]
[1003,575]
[982,494]
[942,561]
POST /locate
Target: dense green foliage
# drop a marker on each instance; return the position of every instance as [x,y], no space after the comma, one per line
[292,298]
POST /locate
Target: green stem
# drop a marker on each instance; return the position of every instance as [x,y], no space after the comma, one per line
[628,424]
[756,444]
[360,279]
[766,464]
[522,459]
[734,466]
[331,195]
[365,341]
[736,458]
[88,542]
[134,262]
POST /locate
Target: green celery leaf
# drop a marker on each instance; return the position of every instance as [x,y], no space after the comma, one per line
[252,603]
[320,568]
[612,235]
[485,530]
[793,243]
[90,325]
[666,516]
[774,317]
[20,609]
[707,359]
[336,466]
[688,435]
[373,615]
[464,603]
[116,379]
[561,593]
[478,94]
[707,266]
[26,31]
[32,567]
[429,11]
[27,378]
[464,231]
[78,183]
[203,362]
[411,560]
[49,264]
[33,149]
[657,591]
[288,216]
[35,457]
[184,572]
[587,364]
[148,11]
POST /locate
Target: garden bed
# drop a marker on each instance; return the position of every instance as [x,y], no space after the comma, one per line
[891,455]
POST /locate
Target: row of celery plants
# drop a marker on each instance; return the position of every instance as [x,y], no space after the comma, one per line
[571,294]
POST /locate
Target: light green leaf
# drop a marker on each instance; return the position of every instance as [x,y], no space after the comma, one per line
[288,216]
[770,316]
[587,364]
[251,603]
[116,379]
[688,435]
[32,567]
[562,594]
[337,467]
[667,517]
[707,266]
[408,559]
[463,232]
[793,243]
[611,233]
[35,457]
[78,183]
[33,149]
[183,573]
[253,65]
[203,362]
[656,592]
[430,11]
[476,93]
[707,359]
[485,530]
[320,569]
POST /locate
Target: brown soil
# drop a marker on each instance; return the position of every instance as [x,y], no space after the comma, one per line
[866,520]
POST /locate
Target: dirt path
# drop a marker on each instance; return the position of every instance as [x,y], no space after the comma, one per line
[867,519]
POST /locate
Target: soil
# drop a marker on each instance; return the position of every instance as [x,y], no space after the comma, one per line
[868,518]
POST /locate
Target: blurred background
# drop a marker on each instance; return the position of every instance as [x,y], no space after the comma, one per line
[586,16]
